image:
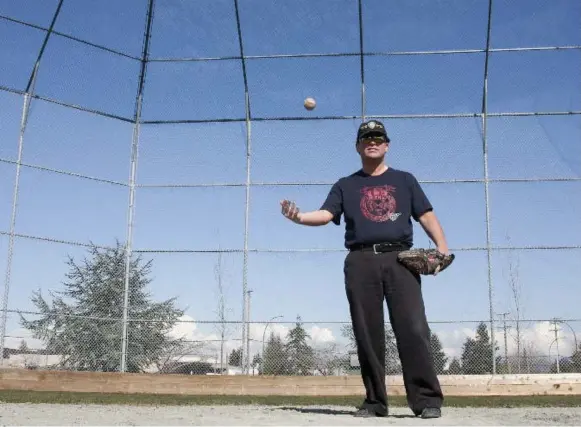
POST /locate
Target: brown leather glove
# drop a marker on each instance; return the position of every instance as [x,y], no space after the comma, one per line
[425,261]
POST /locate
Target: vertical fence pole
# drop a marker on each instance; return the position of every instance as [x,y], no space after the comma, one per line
[248,361]
[361,56]
[245,315]
[23,121]
[486,187]
[245,320]
[132,174]
[28,94]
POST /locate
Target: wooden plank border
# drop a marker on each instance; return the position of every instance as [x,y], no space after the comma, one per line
[452,385]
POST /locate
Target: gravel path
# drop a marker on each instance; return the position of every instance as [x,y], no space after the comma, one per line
[51,414]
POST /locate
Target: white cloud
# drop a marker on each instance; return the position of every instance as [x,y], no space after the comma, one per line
[186,328]
[541,338]
[321,335]
[452,341]
[260,330]
[538,338]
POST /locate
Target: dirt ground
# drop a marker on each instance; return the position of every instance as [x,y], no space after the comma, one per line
[62,414]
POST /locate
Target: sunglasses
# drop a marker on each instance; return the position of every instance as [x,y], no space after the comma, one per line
[378,138]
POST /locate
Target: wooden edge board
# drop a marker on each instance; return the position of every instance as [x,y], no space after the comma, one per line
[111,382]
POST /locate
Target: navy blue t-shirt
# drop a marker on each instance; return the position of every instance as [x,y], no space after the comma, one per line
[377,209]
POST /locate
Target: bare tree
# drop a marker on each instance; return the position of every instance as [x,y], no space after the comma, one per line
[221,310]
[534,359]
[173,353]
[329,357]
[516,294]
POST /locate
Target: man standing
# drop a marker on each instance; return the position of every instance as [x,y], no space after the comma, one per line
[378,203]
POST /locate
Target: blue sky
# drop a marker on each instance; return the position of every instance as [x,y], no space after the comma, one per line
[307,284]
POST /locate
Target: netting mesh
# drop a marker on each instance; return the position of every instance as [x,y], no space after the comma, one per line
[145,146]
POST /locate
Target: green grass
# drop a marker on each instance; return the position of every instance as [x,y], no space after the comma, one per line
[17,396]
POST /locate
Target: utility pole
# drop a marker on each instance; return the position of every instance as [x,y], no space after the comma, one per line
[505,328]
[556,330]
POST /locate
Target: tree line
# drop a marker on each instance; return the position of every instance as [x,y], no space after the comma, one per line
[82,324]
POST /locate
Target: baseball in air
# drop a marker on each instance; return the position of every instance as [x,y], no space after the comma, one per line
[310,104]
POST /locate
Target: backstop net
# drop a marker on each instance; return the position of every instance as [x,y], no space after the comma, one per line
[145,147]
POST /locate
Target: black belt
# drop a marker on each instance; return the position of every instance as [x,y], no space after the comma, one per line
[380,247]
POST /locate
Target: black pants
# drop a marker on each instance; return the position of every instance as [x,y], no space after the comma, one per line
[369,279]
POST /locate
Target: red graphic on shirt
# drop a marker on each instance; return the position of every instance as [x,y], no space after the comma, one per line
[377,203]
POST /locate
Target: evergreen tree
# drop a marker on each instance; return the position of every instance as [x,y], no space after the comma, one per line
[274,358]
[576,360]
[256,362]
[569,364]
[83,324]
[438,354]
[454,368]
[235,358]
[477,353]
[299,354]
[23,347]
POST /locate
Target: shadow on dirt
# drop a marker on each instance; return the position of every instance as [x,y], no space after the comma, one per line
[326,411]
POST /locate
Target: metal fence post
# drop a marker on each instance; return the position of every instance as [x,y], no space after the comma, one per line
[486,187]
[28,94]
[133,171]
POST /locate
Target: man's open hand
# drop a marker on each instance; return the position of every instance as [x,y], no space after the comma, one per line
[290,210]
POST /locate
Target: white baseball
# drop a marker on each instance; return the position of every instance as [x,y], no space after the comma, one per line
[310,103]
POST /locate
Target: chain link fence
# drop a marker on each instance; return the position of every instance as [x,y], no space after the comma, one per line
[142,163]
[300,348]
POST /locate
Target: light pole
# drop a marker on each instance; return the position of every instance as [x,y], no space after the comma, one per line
[572,330]
[263,336]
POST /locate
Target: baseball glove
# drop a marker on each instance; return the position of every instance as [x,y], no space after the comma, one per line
[425,261]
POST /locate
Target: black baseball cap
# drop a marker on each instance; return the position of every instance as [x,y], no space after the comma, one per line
[372,128]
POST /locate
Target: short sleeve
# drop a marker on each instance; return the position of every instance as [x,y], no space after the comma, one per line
[420,202]
[334,203]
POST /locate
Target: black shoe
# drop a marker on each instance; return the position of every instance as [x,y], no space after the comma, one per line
[431,413]
[368,413]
